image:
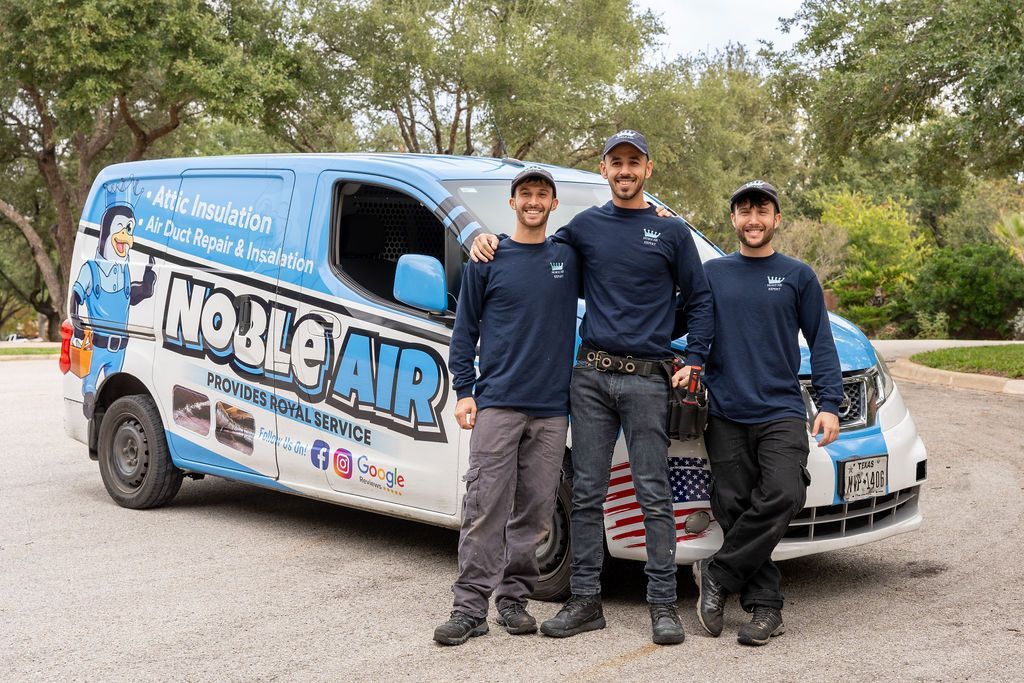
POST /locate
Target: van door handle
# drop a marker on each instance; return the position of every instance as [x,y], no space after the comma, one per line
[244,314]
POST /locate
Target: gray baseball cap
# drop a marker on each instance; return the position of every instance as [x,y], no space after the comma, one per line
[755,187]
[534,173]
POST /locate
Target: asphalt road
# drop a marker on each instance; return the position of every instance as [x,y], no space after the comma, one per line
[231,582]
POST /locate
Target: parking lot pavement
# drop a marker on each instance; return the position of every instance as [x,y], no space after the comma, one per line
[231,582]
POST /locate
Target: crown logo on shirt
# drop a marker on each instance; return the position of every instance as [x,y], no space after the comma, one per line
[557,267]
[651,237]
[772,280]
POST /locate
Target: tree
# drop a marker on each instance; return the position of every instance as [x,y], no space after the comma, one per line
[464,76]
[870,67]
[883,253]
[87,82]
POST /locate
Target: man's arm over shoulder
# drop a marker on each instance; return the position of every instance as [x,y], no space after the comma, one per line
[466,333]
[826,373]
[694,303]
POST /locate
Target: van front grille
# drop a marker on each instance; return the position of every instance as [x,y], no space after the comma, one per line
[849,519]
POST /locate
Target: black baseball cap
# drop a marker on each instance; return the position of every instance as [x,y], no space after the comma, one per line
[629,137]
[534,173]
[755,187]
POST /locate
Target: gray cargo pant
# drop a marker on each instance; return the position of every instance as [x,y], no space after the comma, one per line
[515,462]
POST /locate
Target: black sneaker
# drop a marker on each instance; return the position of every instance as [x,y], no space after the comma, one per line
[710,600]
[460,628]
[666,628]
[581,613]
[765,625]
[516,620]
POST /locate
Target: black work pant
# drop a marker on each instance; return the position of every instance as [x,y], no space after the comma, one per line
[760,482]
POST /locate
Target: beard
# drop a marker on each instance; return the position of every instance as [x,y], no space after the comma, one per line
[627,195]
[528,221]
[767,235]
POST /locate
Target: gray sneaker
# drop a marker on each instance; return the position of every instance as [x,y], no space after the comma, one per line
[710,599]
[764,625]
[516,620]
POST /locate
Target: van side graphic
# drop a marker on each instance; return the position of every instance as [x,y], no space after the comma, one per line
[388,382]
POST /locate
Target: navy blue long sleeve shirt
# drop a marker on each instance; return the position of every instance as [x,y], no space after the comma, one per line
[633,261]
[522,308]
[760,306]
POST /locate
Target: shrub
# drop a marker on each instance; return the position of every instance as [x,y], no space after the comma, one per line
[1017,325]
[932,326]
[979,286]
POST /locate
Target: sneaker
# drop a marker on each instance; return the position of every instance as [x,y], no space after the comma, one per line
[710,600]
[581,613]
[765,625]
[666,628]
[460,628]
[516,620]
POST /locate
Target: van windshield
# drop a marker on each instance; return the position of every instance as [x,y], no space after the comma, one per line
[488,200]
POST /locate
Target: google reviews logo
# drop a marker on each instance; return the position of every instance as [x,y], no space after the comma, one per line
[345,464]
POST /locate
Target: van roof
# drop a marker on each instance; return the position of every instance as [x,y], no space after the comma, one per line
[439,166]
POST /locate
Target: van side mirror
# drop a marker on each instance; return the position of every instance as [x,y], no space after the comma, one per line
[420,283]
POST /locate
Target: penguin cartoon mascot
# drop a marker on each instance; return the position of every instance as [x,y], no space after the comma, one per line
[105,289]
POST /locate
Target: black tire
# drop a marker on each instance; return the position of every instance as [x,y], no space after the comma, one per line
[135,464]
[554,555]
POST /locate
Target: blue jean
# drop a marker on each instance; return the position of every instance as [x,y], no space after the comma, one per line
[601,403]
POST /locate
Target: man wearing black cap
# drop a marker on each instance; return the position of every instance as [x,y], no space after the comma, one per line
[757,431]
[522,309]
[637,267]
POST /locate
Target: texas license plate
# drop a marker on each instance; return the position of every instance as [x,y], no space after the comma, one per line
[864,477]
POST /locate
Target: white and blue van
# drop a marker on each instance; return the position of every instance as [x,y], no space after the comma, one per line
[284,320]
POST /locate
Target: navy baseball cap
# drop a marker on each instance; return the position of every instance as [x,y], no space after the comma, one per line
[629,137]
[755,187]
[534,173]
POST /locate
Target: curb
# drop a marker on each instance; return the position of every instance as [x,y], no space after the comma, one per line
[905,369]
[31,356]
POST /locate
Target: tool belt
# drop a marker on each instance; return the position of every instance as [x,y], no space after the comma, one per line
[687,406]
[624,365]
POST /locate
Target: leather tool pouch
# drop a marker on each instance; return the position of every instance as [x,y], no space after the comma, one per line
[687,418]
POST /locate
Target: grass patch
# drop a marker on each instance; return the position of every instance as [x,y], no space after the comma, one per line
[30,351]
[1001,361]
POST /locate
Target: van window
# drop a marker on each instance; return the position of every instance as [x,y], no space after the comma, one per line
[372,227]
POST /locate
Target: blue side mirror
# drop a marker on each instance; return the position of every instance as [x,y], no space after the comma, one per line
[420,283]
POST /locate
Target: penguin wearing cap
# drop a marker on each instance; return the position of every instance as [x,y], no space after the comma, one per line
[104,288]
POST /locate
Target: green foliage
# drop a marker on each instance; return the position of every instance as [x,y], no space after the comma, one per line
[932,326]
[882,254]
[822,247]
[868,67]
[979,286]
[1003,361]
[984,203]
[1010,231]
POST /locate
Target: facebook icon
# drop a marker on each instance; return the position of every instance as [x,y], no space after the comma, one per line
[320,454]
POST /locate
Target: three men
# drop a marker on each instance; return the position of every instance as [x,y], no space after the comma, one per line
[634,263]
[522,309]
[757,432]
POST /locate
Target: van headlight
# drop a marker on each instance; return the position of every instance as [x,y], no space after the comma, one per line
[883,379]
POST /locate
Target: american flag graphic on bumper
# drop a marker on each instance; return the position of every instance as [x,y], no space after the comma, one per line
[690,480]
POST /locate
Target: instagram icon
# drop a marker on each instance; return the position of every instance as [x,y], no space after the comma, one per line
[343,463]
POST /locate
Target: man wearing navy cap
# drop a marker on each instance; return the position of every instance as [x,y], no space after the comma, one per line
[637,268]
[522,309]
[757,431]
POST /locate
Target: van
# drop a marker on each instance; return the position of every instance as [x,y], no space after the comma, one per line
[284,320]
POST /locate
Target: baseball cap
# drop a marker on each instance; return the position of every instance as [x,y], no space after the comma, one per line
[756,187]
[534,173]
[630,137]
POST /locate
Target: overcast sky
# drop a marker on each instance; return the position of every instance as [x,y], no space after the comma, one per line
[693,26]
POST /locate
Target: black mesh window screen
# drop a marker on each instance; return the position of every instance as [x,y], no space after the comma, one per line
[375,227]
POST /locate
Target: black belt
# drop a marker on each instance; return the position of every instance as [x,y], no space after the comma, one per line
[111,342]
[626,365]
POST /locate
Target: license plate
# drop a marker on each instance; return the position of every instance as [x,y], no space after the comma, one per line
[864,477]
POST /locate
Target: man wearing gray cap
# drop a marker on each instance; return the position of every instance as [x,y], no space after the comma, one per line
[637,269]
[757,431]
[522,309]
